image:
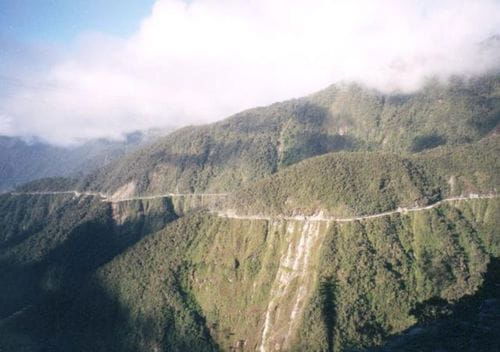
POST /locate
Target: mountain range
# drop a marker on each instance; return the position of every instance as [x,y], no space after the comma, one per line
[346,220]
[23,160]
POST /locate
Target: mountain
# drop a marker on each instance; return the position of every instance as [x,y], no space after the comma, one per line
[22,161]
[255,143]
[370,224]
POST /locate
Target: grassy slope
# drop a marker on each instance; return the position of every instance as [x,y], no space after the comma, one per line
[258,142]
[33,228]
[134,303]
[370,275]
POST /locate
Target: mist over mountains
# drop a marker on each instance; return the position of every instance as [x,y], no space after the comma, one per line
[252,144]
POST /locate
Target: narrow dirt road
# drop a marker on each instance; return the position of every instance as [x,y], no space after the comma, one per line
[232,215]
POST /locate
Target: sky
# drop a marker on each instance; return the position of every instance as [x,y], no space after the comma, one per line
[61,21]
[80,69]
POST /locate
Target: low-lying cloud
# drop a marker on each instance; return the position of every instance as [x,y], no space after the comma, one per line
[199,61]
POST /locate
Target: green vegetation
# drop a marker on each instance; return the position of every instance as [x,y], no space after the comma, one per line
[115,308]
[204,283]
[49,246]
[375,276]
[46,242]
[347,184]
[164,274]
[48,184]
[470,324]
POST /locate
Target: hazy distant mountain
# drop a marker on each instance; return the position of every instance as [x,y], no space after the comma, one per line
[22,161]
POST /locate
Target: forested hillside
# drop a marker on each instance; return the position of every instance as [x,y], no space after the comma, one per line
[133,276]
[205,283]
[344,221]
[364,183]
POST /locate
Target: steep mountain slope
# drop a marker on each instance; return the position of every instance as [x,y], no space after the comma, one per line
[22,161]
[470,324]
[49,246]
[353,285]
[89,275]
[258,142]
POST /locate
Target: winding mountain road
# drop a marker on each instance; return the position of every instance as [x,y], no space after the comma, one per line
[321,217]
[231,214]
[110,199]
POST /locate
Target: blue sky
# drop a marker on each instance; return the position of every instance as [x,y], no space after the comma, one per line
[60,21]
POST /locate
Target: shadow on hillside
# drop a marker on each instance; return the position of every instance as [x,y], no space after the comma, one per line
[329,316]
[254,145]
[143,222]
[82,250]
[472,324]
[90,320]
[66,308]
[311,144]
[15,226]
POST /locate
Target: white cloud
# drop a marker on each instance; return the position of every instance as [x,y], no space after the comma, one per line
[200,61]
[5,125]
